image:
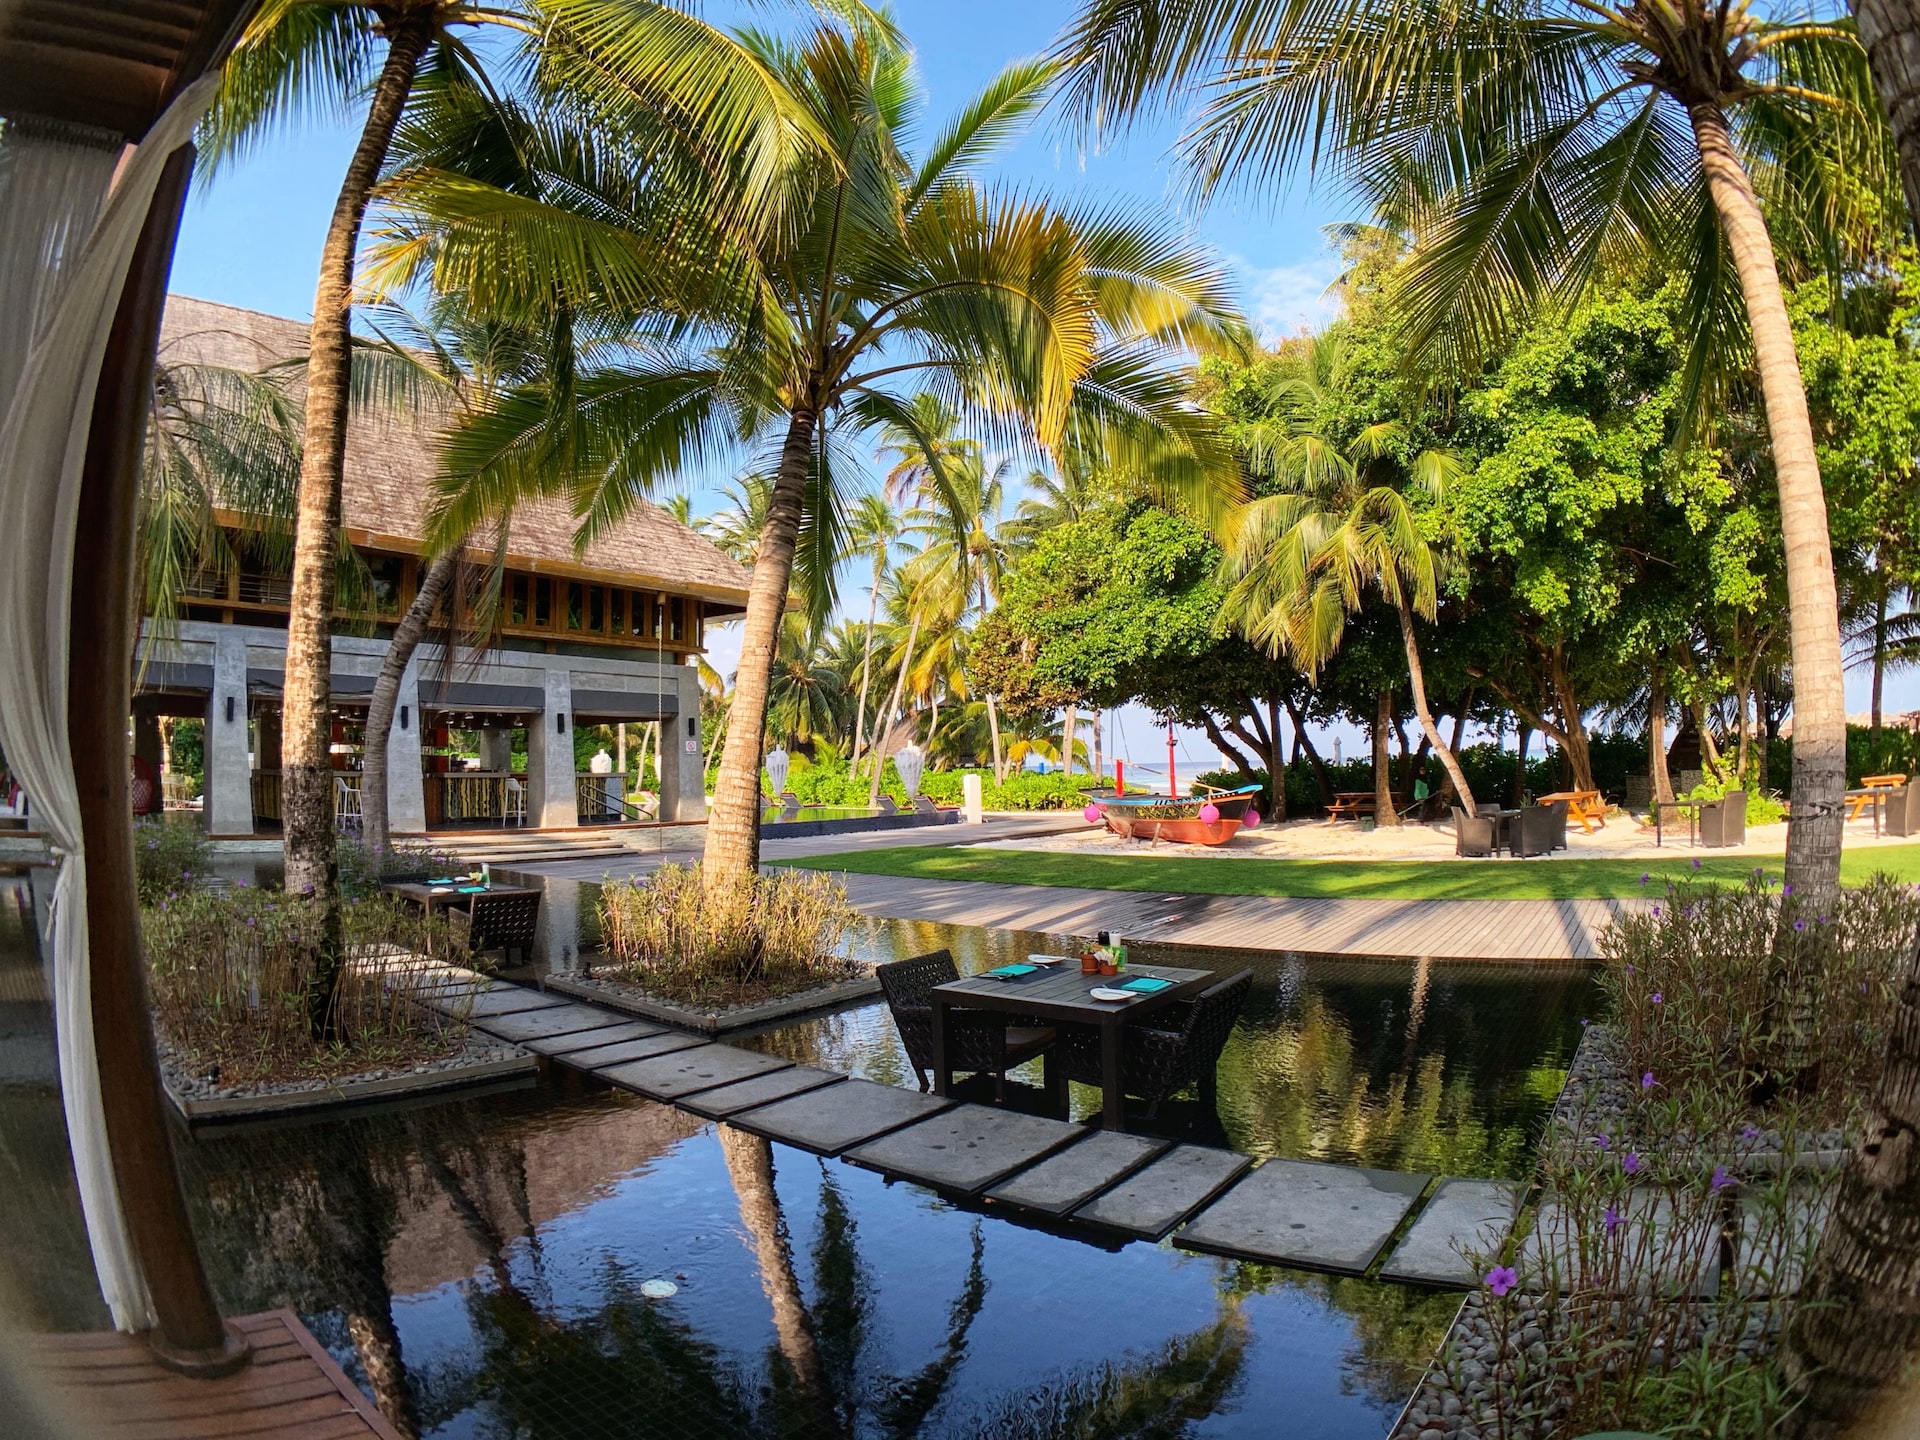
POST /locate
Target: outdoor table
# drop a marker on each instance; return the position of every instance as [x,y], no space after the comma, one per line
[1502,828]
[1586,806]
[450,897]
[1058,994]
[1873,797]
[1689,808]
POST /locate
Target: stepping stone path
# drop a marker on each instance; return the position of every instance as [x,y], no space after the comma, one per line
[841,1116]
[1462,1214]
[966,1148]
[1076,1175]
[1290,1212]
[687,1072]
[1301,1212]
[1154,1200]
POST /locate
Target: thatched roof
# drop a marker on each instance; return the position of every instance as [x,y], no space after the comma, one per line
[390,461]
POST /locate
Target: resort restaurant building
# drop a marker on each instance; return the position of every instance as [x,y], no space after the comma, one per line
[607,635]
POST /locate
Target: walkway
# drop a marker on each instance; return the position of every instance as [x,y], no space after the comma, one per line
[1104,1186]
[108,1385]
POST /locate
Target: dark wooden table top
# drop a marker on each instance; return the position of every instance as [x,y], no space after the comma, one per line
[1059,992]
[455,894]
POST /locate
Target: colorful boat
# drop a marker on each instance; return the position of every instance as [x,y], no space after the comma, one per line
[1160,817]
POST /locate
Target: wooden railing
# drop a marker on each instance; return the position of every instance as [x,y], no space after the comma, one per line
[471,795]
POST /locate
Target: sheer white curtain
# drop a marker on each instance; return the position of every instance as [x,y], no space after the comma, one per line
[63,259]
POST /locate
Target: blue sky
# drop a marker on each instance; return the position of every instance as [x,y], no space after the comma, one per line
[252,233]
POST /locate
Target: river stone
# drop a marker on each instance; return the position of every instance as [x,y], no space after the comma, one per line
[1463,1214]
[966,1148]
[1150,1202]
[1301,1212]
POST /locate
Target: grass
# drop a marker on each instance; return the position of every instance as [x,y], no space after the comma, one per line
[1324,879]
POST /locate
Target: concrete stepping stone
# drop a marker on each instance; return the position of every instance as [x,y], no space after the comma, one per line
[608,1033]
[967,1148]
[1462,1215]
[1301,1212]
[524,1025]
[759,1090]
[687,1072]
[642,1047]
[1078,1173]
[510,1000]
[1150,1202]
[836,1117]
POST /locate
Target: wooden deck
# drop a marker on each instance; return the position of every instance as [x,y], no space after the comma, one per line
[111,1388]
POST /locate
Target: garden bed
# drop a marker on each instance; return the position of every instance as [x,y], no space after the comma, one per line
[481,1059]
[857,984]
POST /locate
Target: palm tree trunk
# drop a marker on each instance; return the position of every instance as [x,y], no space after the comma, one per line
[750,1166]
[1657,736]
[1820,711]
[306,766]
[885,724]
[993,725]
[733,825]
[1067,729]
[1857,1323]
[1890,32]
[866,673]
[1417,679]
[1383,813]
[407,635]
[1879,660]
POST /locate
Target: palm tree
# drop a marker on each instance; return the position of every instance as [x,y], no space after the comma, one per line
[1024,315]
[1342,520]
[1526,145]
[296,54]
[806,700]
[874,529]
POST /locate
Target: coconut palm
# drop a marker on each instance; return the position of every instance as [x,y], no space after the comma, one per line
[806,698]
[298,55]
[875,530]
[1026,316]
[1341,521]
[1526,146]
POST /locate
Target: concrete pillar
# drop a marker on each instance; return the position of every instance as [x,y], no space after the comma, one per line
[229,782]
[551,801]
[406,789]
[683,783]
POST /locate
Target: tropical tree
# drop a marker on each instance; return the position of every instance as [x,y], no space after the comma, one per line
[1340,521]
[296,55]
[1526,145]
[874,531]
[1028,317]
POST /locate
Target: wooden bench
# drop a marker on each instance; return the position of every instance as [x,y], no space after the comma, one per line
[1350,805]
[1586,806]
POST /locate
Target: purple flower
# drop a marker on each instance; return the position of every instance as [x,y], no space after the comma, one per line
[1584,1022]
[1656,912]
[1658,998]
[1602,1141]
[1786,889]
[1644,878]
[1750,1132]
[1501,1279]
[1696,863]
[1631,1162]
[1799,925]
[1613,1219]
[1720,1178]
[1647,1082]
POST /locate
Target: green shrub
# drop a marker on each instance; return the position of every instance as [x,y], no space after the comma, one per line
[827,782]
[170,855]
[1762,808]
[230,972]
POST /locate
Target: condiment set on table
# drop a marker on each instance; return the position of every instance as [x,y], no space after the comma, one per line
[476,882]
[1107,957]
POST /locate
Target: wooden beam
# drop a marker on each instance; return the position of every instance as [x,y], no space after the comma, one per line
[190,1337]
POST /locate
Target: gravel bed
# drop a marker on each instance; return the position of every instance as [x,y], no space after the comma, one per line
[199,1085]
[628,990]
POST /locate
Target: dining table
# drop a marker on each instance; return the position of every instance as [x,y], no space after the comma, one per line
[457,894]
[1060,994]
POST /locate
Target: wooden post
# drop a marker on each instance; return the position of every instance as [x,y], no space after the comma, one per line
[191,1336]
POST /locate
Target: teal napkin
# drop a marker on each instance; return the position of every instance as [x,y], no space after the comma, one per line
[1145,984]
[443,880]
[473,889]
[1012,972]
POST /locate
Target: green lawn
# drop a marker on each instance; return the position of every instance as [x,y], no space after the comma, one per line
[1374,879]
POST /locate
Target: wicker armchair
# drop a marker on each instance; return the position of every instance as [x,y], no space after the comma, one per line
[1724,821]
[1168,1049]
[1532,830]
[1559,808]
[1475,835]
[978,1042]
[1903,810]
[497,922]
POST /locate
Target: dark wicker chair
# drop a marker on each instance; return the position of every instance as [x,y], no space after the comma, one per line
[1475,835]
[1531,831]
[977,1041]
[1724,821]
[1903,810]
[1559,808]
[497,922]
[1166,1050]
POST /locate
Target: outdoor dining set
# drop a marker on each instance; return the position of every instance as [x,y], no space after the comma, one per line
[482,917]
[1149,1035]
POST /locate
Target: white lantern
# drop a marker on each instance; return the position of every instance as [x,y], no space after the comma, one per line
[909,762]
[777,762]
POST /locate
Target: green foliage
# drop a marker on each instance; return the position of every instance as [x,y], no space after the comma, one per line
[1762,808]
[1896,752]
[187,747]
[363,870]
[170,856]
[828,783]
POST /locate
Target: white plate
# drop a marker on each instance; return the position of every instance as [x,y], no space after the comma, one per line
[1103,993]
[1045,959]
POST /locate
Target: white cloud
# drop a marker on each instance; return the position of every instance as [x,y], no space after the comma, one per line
[1284,300]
